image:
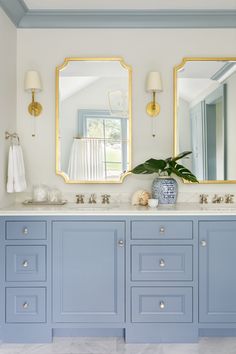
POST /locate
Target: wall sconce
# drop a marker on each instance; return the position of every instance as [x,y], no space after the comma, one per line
[154,85]
[33,84]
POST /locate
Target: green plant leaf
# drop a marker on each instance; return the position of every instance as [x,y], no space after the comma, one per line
[150,166]
[156,165]
[169,166]
[141,169]
[181,155]
[183,172]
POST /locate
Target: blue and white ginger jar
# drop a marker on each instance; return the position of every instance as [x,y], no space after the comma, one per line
[165,189]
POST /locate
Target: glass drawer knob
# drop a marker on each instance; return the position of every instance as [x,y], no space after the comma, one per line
[162,263]
[25,305]
[121,243]
[203,243]
[25,264]
[162,305]
[162,229]
[25,231]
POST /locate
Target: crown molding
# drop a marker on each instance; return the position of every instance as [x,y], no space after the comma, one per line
[22,17]
[15,10]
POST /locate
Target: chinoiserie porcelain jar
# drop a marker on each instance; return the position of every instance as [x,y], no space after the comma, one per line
[165,189]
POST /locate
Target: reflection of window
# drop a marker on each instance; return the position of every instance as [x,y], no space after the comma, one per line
[99,124]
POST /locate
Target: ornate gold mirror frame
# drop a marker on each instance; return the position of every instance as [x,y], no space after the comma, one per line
[59,69]
[177,69]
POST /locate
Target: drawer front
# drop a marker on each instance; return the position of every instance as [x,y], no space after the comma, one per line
[161,263]
[25,263]
[161,230]
[26,230]
[162,304]
[25,305]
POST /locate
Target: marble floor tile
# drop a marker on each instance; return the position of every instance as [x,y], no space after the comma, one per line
[217,345]
[117,346]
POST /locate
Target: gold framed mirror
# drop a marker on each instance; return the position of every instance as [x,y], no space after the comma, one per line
[93,120]
[204,117]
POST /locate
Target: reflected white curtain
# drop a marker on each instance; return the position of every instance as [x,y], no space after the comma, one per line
[87,160]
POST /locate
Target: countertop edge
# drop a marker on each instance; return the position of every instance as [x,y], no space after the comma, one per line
[184,209]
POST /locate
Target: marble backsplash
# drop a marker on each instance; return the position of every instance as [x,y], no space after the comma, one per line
[117,198]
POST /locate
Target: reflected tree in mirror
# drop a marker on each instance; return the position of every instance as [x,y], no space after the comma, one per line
[93,115]
[204,117]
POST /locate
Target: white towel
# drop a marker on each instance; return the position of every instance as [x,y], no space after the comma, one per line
[16,170]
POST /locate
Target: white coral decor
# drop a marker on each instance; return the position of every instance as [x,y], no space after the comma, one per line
[140,197]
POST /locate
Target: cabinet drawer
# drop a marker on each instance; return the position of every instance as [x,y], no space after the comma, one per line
[25,305]
[160,263]
[161,304]
[25,263]
[161,230]
[26,230]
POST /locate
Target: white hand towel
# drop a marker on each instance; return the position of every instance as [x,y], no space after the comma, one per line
[16,170]
[10,183]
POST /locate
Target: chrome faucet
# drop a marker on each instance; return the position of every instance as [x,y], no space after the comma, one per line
[203,199]
[106,199]
[217,199]
[80,199]
[229,198]
[92,199]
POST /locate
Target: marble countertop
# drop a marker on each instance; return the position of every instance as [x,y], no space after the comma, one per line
[72,209]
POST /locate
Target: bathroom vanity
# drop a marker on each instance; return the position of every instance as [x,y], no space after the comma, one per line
[163,275]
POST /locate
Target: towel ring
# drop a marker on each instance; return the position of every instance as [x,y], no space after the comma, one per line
[12,136]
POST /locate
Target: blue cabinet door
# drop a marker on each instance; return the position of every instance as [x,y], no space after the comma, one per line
[88,271]
[217,271]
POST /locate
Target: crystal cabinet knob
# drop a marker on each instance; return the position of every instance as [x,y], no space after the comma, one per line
[25,264]
[121,243]
[162,263]
[203,243]
[162,305]
[162,230]
[25,231]
[25,305]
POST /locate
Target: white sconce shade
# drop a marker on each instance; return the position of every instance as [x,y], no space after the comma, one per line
[33,84]
[154,83]
[32,81]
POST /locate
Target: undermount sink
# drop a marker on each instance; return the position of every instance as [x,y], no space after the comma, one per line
[219,207]
[92,206]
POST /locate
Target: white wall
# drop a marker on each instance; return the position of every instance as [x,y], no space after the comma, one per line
[7,96]
[144,50]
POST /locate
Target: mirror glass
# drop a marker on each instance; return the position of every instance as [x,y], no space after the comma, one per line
[93,120]
[205,117]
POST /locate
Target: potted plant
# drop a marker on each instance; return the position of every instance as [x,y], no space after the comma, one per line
[164,187]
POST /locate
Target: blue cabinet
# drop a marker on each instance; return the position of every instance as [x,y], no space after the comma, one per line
[155,279]
[26,263]
[88,271]
[25,305]
[161,229]
[162,304]
[217,265]
[26,230]
[166,263]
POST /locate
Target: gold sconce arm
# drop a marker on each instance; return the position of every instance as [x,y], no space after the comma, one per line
[153,108]
[34,108]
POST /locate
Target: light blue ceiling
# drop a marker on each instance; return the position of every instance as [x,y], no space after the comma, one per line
[23,17]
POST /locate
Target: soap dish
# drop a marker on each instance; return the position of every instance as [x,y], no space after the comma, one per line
[32,202]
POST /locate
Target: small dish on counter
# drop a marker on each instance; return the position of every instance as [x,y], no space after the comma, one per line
[152,203]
